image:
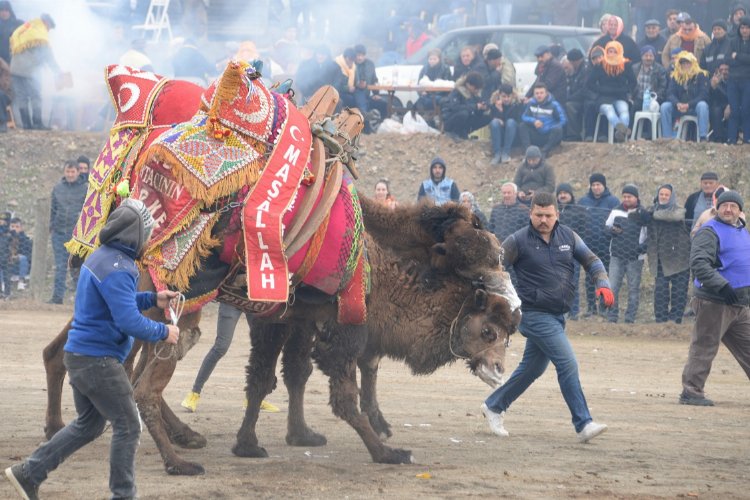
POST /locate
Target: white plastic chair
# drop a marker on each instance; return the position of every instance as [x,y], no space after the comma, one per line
[640,116]
[610,129]
[682,127]
[157,19]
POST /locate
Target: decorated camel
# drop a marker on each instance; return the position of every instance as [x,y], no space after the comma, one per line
[228,188]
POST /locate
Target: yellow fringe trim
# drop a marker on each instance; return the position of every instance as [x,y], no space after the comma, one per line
[29,35]
[228,87]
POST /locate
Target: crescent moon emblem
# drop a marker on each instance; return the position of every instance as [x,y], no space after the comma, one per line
[292,133]
[134,94]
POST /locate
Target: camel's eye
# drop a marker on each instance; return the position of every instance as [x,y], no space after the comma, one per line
[488,334]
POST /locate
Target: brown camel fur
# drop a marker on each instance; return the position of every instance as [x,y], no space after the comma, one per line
[405,291]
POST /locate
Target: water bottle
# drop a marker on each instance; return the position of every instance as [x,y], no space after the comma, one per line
[646,100]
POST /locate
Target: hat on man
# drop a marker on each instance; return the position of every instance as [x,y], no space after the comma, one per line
[541,50]
[720,23]
[564,186]
[745,21]
[597,177]
[648,48]
[493,54]
[437,161]
[709,176]
[631,189]
[684,17]
[652,22]
[728,196]
[47,19]
[574,55]
[533,152]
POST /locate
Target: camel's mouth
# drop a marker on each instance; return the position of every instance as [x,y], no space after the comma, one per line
[490,373]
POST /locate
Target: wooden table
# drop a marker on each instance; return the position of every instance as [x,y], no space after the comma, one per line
[392,89]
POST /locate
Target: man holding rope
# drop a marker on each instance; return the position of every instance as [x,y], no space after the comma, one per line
[106,318]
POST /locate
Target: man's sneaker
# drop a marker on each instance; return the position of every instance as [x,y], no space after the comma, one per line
[190,403]
[505,159]
[21,285]
[591,430]
[496,159]
[687,399]
[495,420]
[54,300]
[265,406]
[23,486]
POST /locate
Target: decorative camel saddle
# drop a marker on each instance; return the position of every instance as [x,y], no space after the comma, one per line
[249,194]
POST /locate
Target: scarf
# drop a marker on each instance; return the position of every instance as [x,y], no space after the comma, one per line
[346,70]
[683,77]
[29,35]
[671,203]
[620,26]
[692,37]
[614,64]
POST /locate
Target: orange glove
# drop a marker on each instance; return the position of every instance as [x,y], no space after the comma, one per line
[606,295]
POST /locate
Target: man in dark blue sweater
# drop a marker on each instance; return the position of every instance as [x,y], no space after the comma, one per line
[107,316]
[542,254]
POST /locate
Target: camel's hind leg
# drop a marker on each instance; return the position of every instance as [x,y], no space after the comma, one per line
[368,395]
[149,388]
[53,365]
[297,366]
[336,354]
[266,341]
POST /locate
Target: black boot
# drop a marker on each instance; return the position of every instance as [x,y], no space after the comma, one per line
[25,119]
[37,120]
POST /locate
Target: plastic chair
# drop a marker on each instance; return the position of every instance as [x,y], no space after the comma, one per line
[157,19]
[641,116]
[682,127]
[610,129]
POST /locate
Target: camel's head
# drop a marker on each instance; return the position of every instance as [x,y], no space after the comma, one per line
[482,332]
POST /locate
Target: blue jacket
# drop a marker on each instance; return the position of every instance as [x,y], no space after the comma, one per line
[107,310]
[549,112]
[545,270]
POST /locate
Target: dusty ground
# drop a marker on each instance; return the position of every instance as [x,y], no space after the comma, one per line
[654,447]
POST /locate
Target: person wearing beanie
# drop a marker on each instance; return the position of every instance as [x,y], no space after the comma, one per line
[505,110]
[439,188]
[650,77]
[687,94]
[576,72]
[654,38]
[543,121]
[668,250]
[702,199]
[689,38]
[738,85]
[549,72]
[572,215]
[534,175]
[719,51]
[598,202]
[106,319]
[721,300]
[738,12]
[627,251]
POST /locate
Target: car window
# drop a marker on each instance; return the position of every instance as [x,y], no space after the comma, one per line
[451,45]
[520,46]
[580,42]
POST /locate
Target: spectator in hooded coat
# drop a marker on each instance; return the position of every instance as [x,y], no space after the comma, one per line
[615,33]
[8,24]
[612,82]
[738,86]
[534,175]
[439,187]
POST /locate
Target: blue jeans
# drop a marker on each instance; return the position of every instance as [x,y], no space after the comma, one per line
[617,112]
[362,100]
[545,342]
[738,93]
[618,269]
[102,392]
[669,114]
[61,263]
[502,135]
[499,12]
[225,326]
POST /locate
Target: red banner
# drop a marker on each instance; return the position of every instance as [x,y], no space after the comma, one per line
[270,198]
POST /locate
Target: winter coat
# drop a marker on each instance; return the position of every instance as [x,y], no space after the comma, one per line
[553,76]
[597,211]
[717,52]
[659,80]
[694,92]
[460,99]
[609,89]
[630,49]
[657,43]
[576,84]
[67,201]
[675,41]
[440,72]
[7,28]
[549,112]
[624,228]
[460,70]
[668,240]
[739,67]
[538,178]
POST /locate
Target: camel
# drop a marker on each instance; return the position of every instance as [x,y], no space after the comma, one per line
[437,253]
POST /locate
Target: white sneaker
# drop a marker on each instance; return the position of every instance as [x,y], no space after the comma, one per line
[495,420]
[21,285]
[591,430]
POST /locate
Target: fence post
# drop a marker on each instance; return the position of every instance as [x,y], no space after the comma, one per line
[38,275]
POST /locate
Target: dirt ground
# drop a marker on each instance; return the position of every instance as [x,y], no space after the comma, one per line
[631,374]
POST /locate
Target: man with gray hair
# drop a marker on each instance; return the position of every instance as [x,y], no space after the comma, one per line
[106,318]
[509,215]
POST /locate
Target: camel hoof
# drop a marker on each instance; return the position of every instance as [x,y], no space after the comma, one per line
[185,469]
[52,428]
[193,441]
[249,451]
[308,437]
[380,426]
[396,456]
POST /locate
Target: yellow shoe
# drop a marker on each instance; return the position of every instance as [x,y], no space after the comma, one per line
[190,403]
[265,406]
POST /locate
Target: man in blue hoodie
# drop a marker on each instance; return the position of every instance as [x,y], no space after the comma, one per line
[542,122]
[439,188]
[106,318]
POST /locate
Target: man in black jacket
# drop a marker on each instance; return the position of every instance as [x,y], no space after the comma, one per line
[549,72]
[15,256]
[542,254]
[576,71]
[719,51]
[464,110]
[365,99]
[68,196]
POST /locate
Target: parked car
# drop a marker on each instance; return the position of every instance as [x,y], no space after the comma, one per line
[516,42]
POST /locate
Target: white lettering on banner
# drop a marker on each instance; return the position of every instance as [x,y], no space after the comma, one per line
[284,172]
[258,222]
[266,280]
[161,183]
[265,262]
[154,206]
[292,154]
[261,245]
[274,191]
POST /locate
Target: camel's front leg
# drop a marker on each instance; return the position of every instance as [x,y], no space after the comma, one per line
[368,395]
[296,367]
[336,353]
[266,342]
[53,365]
